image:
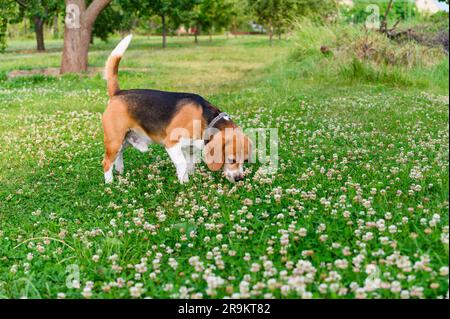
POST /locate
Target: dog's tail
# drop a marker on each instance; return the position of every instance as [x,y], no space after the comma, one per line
[112,66]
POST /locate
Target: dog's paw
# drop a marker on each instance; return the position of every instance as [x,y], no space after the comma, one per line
[119,170]
[109,177]
[191,169]
[183,178]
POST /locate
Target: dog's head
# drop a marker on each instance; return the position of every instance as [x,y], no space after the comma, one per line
[228,149]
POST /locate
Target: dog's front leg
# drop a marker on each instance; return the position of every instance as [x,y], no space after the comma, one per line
[176,155]
[189,155]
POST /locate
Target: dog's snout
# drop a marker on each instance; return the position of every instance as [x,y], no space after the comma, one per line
[239,178]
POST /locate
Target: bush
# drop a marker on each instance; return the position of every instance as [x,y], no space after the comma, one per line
[351,52]
[401,9]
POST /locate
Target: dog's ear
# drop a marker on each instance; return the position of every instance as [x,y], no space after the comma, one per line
[214,154]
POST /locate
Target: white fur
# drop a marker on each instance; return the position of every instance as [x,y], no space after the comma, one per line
[139,140]
[178,159]
[230,174]
[191,158]
[118,164]
[109,176]
[192,152]
[122,46]
[118,52]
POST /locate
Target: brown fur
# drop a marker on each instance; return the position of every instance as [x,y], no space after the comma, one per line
[184,119]
[229,147]
[117,122]
[112,75]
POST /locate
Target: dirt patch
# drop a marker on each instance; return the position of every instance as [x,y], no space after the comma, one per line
[20,73]
[55,72]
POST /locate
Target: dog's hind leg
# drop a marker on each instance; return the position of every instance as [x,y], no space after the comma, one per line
[115,126]
[112,150]
[118,164]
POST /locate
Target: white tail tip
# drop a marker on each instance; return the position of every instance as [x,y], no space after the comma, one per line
[122,46]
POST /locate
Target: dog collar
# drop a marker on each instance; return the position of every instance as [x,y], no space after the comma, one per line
[211,125]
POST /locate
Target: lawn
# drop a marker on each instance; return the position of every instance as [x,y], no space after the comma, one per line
[358,207]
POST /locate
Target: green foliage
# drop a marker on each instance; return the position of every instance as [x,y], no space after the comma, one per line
[316,9]
[240,16]
[176,10]
[8,13]
[280,14]
[362,9]
[38,12]
[213,14]
[368,56]
[172,12]
[438,21]
[3,29]
[120,16]
[44,9]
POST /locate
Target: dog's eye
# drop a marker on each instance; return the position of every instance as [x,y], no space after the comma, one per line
[232,161]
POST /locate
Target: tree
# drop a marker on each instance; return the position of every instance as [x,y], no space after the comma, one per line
[176,11]
[318,9]
[240,16]
[119,16]
[268,13]
[8,11]
[38,12]
[286,12]
[278,14]
[214,14]
[79,22]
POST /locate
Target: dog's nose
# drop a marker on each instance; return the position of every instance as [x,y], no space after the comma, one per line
[239,178]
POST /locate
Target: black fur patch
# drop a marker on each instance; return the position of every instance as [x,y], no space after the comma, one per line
[154,110]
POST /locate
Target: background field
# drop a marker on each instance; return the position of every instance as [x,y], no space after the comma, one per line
[358,207]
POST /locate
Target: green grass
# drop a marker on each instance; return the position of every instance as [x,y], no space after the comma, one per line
[357,208]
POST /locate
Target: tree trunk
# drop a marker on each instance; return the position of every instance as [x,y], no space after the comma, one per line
[210,36]
[76,48]
[270,33]
[25,28]
[384,27]
[77,34]
[55,26]
[164,31]
[39,31]
[196,34]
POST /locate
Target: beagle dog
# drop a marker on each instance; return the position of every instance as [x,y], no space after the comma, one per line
[183,123]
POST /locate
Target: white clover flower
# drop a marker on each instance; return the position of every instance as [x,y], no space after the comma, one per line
[392,229]
[255,267]
[173,263]
[136,291]
[444,271]
[341,263]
